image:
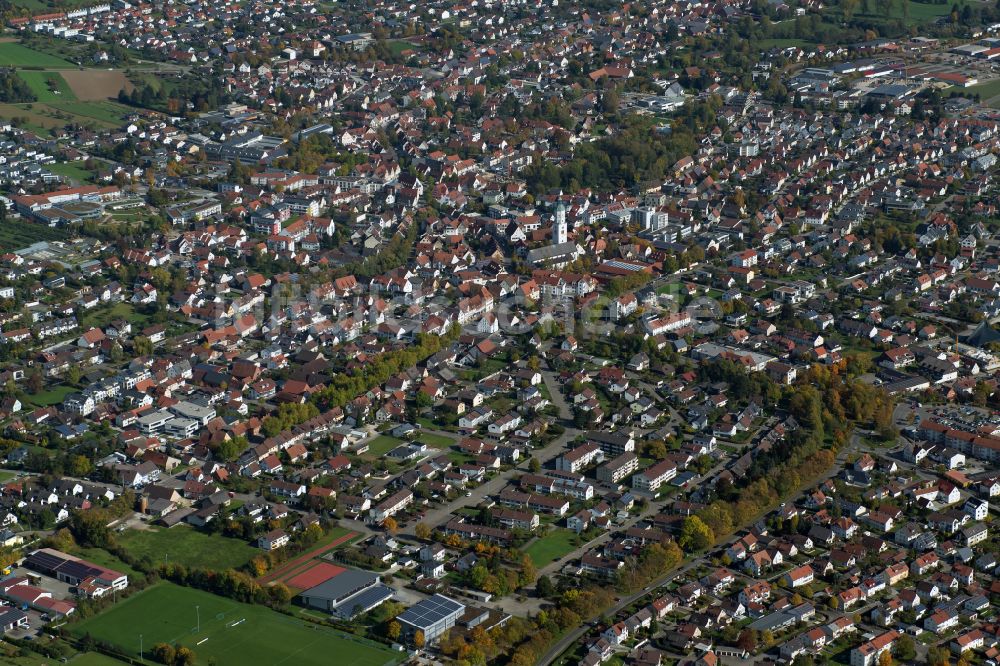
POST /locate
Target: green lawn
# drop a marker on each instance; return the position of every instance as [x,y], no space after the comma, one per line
[785,43]
[43,7]
[925,11]
[94,659]
[13,54]
[47,86]
[110,113]
[102,316]
[551,547]
[381,445]
[397,46]
[53,396]
[436,441]
[185,545]
[227,632]
[72,170]
[915,13]
[986,91]
[103,558]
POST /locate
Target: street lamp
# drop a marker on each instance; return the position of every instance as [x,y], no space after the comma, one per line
[197,610]
[140,647]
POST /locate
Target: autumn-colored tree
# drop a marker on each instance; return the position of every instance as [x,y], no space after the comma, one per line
[390,525]
[422,531]
[418,639]
[394,630]
[885,659]
[185,656]
[695,534]
[280,594]
[258,565]
[164,653]
[747,640]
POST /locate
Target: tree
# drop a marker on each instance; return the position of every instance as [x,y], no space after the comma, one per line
[142,346]
[656,449]
[885,659]
[90,528]
[695,534]
[528,571]
[164,653]
[80,466]
[544,586]
[418,639]
[905,649]
[394,630]
[422,531]
[35,382]
[185,657]
[747,640]
[390,525]
[535,465]
[938,656]
[280,594]
[609,101]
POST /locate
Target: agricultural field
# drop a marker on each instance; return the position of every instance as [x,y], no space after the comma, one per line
[551,547]
[914,13]
[227,632]
[106,112]
[47,86]
[187,546]
[43,6]
[92,85]
[41,118]
[13,54]
[16,234]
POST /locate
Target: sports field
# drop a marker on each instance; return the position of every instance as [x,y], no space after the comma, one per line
[231,633]
[313,576]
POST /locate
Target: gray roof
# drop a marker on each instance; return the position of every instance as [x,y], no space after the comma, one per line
[342,586]
[549,252]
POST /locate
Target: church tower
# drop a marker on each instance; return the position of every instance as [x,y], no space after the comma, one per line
[559,226]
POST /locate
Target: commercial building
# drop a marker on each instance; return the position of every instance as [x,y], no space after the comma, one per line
[432,616]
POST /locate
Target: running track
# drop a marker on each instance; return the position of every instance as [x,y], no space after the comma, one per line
[289,567]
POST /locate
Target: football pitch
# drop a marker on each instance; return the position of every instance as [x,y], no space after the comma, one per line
[231,633]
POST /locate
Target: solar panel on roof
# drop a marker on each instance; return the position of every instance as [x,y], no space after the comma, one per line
[429,611]
[78,570]
[44,561]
